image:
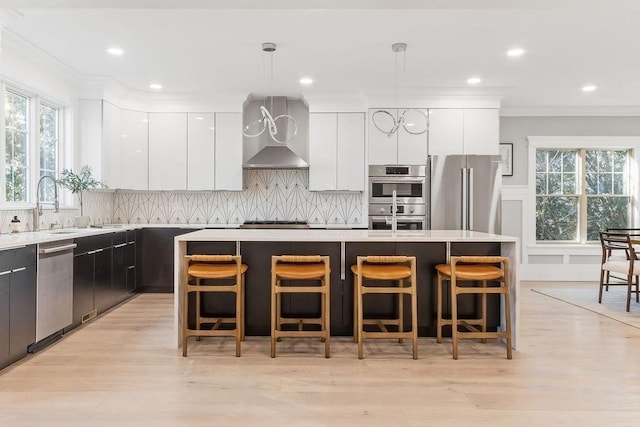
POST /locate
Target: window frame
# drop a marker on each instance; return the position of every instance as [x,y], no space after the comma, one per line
[579,143]
[34,141]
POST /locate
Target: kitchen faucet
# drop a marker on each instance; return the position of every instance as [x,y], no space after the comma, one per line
[394,216]
[37,211]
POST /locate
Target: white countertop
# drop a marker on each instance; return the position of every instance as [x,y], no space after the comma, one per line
[16,240]
[316,235]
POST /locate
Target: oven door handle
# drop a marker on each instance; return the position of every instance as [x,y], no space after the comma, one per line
[397,180]
[399,219]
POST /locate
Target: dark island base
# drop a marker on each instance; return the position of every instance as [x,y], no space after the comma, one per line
[257,255]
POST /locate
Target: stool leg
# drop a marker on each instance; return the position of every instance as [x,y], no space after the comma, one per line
[273,314]
[242,293]
[454,318]
[238,316]
[360,336]
[198,309]
[279,296]
[439,309]
[400,310]
[327,317]
[507,313]
[484,312]
[355,309]
[414,317]
[185,320]
[322,310]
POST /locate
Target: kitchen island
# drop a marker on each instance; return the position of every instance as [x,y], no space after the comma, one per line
[431,247]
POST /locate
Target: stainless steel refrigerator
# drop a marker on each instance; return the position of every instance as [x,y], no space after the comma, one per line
[465,193]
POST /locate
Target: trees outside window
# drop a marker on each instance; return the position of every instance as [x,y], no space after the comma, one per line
[581,191]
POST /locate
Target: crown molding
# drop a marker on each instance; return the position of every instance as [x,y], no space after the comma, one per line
[612,111]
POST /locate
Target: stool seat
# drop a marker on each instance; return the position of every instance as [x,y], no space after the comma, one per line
[383,271]
[301,271]
[215,271]
[472,271]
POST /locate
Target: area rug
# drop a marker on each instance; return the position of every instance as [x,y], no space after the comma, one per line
[585,296]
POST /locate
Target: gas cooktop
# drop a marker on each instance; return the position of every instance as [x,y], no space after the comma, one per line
[275,224]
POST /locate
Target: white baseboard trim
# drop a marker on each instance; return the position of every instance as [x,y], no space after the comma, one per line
[559,272]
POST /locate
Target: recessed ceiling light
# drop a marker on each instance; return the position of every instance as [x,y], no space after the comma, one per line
[306,81]
[589,88]
[474,80]
[199,118]
[515,52]
[116,51]
[155,86]
[144,120]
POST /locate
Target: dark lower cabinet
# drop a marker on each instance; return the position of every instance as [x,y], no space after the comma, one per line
[83,288]
[5,286]
[104,296]
[123,279]
[157,262]
[17,303]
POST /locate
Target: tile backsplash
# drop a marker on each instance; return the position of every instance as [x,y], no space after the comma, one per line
[280,194]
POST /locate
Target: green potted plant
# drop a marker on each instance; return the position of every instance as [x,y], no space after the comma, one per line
[77,183]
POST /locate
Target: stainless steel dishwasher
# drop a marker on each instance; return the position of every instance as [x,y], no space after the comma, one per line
[54,306]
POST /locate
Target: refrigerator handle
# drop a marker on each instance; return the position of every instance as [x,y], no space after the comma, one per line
[464,198]
[470,190]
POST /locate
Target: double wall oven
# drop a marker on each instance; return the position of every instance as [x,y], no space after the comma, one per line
[411,188]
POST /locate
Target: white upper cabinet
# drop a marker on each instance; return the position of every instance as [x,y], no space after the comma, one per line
[228,151]
[383,148]
[481,131]
[167,151]
[134,150]
[336,152]
[111,144]
[350,156]
[464,131]
[323,151]
[200,151]
[446,131]
[413,137]
[407,145]
[125,139]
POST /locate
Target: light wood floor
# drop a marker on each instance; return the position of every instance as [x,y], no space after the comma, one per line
[573,367]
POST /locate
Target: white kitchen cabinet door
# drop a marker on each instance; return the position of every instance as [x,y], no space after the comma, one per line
[110,144]
[323,140]
[383,148]
[446,127]
[481,131]
[412,149]
[167,151]
[350,155]
[228,151]
[200,151]
[134,150]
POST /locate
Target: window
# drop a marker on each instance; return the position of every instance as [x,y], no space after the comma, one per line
[48,150]
[32,147]
[16,147]
[581,191]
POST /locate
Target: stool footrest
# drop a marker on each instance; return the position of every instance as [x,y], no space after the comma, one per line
[386,290]
[480,291]
[301,289]
[211,288]
[300,334]
[390,335]
[211,332]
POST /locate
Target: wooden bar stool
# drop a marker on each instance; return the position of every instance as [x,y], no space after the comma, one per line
[213,267]
[300,267]
[474,268]
[393,268]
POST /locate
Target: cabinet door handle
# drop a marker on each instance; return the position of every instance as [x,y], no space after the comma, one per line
[131,267]
[17,270]
[2,273]
[98,250]
[120,245]
[91,252]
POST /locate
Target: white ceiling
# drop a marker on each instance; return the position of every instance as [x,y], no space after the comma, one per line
[211,48]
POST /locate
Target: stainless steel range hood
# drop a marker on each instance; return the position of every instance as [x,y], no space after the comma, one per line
[273,155]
